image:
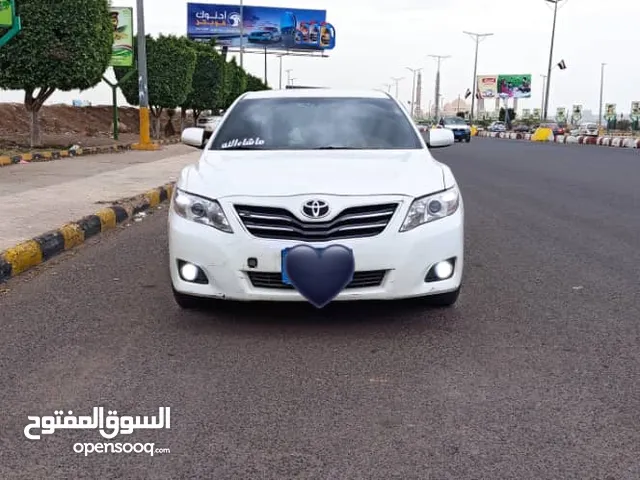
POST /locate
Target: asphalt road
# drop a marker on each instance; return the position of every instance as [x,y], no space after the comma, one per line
[533,375]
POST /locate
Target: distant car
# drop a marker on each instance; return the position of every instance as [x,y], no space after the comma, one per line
[266,35]
[459,127]
[521,128]
[209,124]
[588,129]
[497,127]
[557,129]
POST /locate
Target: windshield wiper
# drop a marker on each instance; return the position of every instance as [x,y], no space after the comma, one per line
[334,147]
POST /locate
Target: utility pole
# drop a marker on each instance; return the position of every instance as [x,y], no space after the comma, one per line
[478,37]
[601,94]
[439,58]
[414,71]
[396,81]
[545,111]
[143,92]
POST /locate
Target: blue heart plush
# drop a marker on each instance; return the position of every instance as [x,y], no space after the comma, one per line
[319,274]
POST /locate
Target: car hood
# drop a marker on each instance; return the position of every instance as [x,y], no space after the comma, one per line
[220,174]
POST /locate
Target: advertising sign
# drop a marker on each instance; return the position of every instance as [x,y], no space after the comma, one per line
[576,114]
[514,86]
[561,115]
[487,86]
[610,112]
[122,21]
[537,113]
[635,110]
[526,113]
[273,28]
[6,14]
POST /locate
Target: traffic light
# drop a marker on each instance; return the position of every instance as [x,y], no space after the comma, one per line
[562,65]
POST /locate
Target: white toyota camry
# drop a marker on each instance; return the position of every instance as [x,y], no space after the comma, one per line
[316,167]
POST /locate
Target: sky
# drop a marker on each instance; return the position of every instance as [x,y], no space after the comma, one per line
[378,39]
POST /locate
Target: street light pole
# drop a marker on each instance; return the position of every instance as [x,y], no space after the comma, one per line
[553,38]
[396,80]
[601,94]
[544,83]
[414,71]
[439,58]
[478,37]
[280,76]
[143,91]
[241,32]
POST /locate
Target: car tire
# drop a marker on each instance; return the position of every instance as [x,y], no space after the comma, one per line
[468,139]
[443,300]
[188,302]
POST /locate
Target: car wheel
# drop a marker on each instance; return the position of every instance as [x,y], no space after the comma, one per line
[443,299]
[188,302]
[468,139]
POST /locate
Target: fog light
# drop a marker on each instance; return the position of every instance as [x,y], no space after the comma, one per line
[443,270]
[189,272]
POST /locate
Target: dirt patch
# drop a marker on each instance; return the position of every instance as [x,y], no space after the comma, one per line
[64,126]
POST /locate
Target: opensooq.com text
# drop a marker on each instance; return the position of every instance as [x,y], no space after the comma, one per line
[106,447]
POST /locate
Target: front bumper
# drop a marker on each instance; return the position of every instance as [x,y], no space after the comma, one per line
[404,257]
[459,134]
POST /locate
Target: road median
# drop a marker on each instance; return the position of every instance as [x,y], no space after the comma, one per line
[31,253]
[603,141]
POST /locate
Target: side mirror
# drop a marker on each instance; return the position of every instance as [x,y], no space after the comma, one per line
[194,137]
[439,138]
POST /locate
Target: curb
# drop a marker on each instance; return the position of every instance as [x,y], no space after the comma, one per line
[6,160]
[606,141]
[28,254]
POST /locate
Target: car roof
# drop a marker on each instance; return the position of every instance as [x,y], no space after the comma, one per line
[315,93]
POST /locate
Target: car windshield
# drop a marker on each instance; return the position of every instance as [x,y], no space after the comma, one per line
[316,123]
[455,121]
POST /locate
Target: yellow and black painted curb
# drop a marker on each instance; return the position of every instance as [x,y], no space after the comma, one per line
[28,254]
[6,160]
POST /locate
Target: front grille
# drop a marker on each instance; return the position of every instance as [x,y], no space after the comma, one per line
[281,224]
[368,279]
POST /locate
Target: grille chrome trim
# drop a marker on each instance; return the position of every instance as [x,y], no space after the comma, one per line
[273,280]
[280,224]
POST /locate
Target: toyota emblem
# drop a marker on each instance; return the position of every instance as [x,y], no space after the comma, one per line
[315,209]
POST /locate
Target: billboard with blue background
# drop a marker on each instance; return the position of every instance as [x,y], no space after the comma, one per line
[274,28]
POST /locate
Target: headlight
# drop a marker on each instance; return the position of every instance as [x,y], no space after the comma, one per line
[201,210]
[430,208]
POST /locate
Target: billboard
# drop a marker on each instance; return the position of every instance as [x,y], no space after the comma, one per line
[274,28]
[561,115]
[610,112]
[487,86]
[576,114]
[514,86]
[537,113]
[635,110]
[6,14]
[122,21]
[526,113]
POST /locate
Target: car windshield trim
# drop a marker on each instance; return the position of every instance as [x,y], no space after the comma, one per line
[316,123]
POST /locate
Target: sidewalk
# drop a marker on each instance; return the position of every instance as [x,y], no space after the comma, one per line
[39,197]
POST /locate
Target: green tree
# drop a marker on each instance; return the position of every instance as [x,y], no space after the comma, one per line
[255,84]
[207,83]
[64,45]
[235,82]
[170,66]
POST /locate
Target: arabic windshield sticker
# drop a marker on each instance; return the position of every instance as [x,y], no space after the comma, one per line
[243,142]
